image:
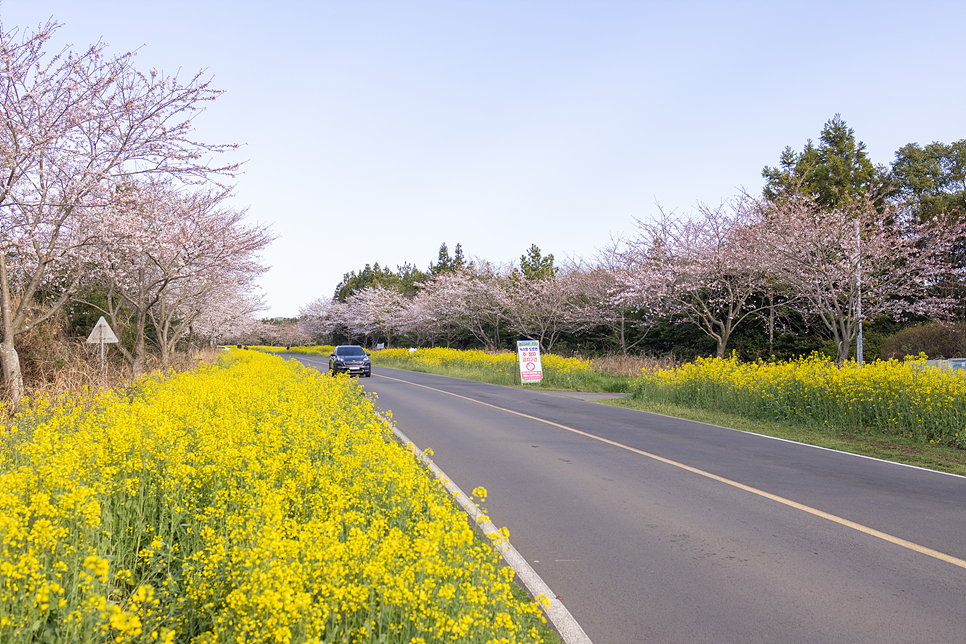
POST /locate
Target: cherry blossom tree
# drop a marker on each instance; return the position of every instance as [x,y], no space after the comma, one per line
[221,262]
[705,269]
[138,259]
[437,311]
[228,314]
[543,309]
[181,304]
[374,311]
[476,299]
[471,298]
[171,255]
[833,257]
[424,321]
[323,317]
[302,334]
[617,299]
[71,126]
[485,297]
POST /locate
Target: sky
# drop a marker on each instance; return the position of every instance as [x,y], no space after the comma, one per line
[374,131]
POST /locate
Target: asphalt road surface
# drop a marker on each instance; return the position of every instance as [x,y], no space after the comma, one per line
[656,529]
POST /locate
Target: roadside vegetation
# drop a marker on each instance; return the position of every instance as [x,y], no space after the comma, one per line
[497,368]
[898,449]
[250,500]
[890,398]
[501,368]
[322,351]
[902,411]
[141,230]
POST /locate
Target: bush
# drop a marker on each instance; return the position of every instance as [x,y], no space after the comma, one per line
[937,341]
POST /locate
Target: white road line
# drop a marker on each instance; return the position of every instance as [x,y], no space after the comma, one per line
[741,486]
[563,622]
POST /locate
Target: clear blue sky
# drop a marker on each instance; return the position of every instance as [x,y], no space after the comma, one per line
[376,130]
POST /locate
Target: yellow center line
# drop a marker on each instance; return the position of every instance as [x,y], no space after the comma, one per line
[741,486]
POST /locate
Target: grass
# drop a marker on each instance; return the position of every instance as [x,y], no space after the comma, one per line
[890,448]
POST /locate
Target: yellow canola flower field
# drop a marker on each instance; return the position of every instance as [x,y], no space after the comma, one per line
[894,397]
[322,350]
[250,501]
[557,371]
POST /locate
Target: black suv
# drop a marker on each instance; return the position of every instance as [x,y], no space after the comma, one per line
[351,359]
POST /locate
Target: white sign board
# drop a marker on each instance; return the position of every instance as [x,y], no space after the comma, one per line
[102,333]
[528,351]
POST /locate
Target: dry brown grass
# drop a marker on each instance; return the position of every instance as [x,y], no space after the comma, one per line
[57,366]
[630,365]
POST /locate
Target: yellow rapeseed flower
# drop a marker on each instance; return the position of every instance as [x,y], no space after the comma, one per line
[255,500]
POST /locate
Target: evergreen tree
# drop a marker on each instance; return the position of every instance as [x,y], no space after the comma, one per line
[447,264]
[368,276]
[835,172]
[409,276]
[931,180]
[533,265]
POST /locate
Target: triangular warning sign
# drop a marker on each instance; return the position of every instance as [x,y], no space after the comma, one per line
[102,333]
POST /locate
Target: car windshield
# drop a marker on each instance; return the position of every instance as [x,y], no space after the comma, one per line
[350,351]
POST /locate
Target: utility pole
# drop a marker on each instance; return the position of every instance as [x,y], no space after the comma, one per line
[858,284]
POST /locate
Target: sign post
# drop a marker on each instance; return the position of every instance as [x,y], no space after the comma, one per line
[102,334]
[528,352]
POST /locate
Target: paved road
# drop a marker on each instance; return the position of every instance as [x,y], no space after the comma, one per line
[676,531]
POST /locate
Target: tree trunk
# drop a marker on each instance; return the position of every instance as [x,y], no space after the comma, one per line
[726,327]
[137,365]
[623,337]
[136,356]
[9,360]
[771,324]
[12,376]
[842,343]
